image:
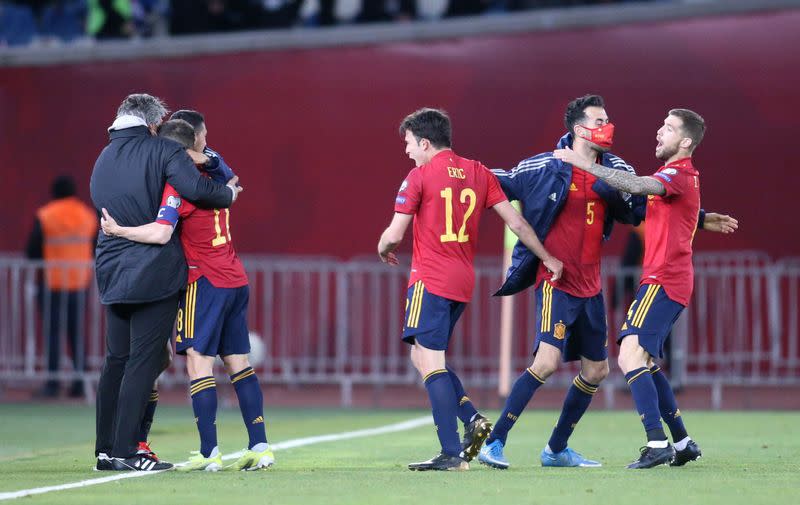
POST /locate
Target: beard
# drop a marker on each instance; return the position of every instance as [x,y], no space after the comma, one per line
[667,152]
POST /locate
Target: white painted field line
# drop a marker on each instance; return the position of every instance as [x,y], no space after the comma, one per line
[280,446]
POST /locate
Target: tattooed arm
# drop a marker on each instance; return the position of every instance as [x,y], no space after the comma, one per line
[619,179]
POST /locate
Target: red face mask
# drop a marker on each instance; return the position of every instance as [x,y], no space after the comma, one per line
[602,136]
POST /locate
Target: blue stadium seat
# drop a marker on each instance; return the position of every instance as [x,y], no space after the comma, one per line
[64,20]
[17,25]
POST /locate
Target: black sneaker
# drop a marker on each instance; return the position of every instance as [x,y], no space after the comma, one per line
[475,433]
[103,463]
[653,456]
[441,462]
[690,453]
[139,463]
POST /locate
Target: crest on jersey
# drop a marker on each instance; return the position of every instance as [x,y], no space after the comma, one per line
[403,187]
[173,201]
[670,171]
[560,330]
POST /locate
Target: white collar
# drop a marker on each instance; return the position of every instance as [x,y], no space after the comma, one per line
[127,121]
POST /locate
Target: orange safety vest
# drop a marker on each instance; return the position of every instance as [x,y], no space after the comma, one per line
[70,229]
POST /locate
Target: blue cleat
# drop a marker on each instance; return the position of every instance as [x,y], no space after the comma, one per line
[492,455]
[566,458]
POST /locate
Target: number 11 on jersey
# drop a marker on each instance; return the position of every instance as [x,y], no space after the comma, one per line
[220,238]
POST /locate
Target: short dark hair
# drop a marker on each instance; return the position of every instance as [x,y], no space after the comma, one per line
[694,126]
[63,186]
[178,130]
[192,117]
[576,109]
[431,124]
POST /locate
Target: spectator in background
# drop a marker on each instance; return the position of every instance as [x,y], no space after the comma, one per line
[64,233]
[110,19]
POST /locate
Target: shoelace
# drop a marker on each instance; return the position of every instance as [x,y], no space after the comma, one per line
[144,448]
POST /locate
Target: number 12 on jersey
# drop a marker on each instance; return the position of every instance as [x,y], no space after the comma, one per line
[467,194]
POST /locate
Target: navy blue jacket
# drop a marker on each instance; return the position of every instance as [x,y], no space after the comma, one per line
[541,184]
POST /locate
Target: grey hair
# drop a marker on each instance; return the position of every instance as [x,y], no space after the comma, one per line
[144,106]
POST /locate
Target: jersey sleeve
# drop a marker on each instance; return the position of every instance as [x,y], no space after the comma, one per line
[674,182]
[494,193]
[173,207]
[410,194]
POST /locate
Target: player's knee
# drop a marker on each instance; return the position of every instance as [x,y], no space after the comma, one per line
[595,373]
[428,360]
[546,361]
[631,354]
[198,365]
[544,367]
[413,357]
[235,363]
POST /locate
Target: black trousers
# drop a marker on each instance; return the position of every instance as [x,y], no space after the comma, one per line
[136,337]
[65,310]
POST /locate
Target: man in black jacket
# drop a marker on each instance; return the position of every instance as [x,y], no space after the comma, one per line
[139,284]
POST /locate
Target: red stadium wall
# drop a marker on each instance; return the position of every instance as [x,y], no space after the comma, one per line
[313,133]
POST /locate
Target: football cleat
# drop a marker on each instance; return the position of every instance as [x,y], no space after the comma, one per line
[144,448]
[103,463]
[474,434]
[492,455]
[139,463]
[252,460]
[441,462]
[689,453]
[566,458]
[653,456]
[198,462]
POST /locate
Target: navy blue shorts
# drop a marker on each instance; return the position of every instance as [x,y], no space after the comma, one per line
[430,318]
[651,317]
[213,321]
[576,326]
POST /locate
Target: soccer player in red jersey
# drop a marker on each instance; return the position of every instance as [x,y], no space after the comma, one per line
[445,196]
[212,319]
[573,212]
[667,278]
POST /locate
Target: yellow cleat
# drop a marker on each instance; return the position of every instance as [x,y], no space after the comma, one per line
[252,460]
[199,462]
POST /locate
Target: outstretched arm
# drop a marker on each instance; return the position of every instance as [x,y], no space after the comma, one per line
[150,233]
[619,179]
[720,223]
[523,230]
[392,236]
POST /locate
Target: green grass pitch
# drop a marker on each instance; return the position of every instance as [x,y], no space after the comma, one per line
[750,458]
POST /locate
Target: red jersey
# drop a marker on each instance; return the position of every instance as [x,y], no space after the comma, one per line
[206,239]
[447,197]
[670,224]
[576,237]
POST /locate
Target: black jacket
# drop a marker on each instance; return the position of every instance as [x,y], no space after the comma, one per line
[128,180]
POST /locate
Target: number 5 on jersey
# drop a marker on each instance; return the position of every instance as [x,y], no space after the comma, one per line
[447,194]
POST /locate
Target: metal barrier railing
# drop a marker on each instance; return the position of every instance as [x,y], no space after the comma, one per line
[323,320]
